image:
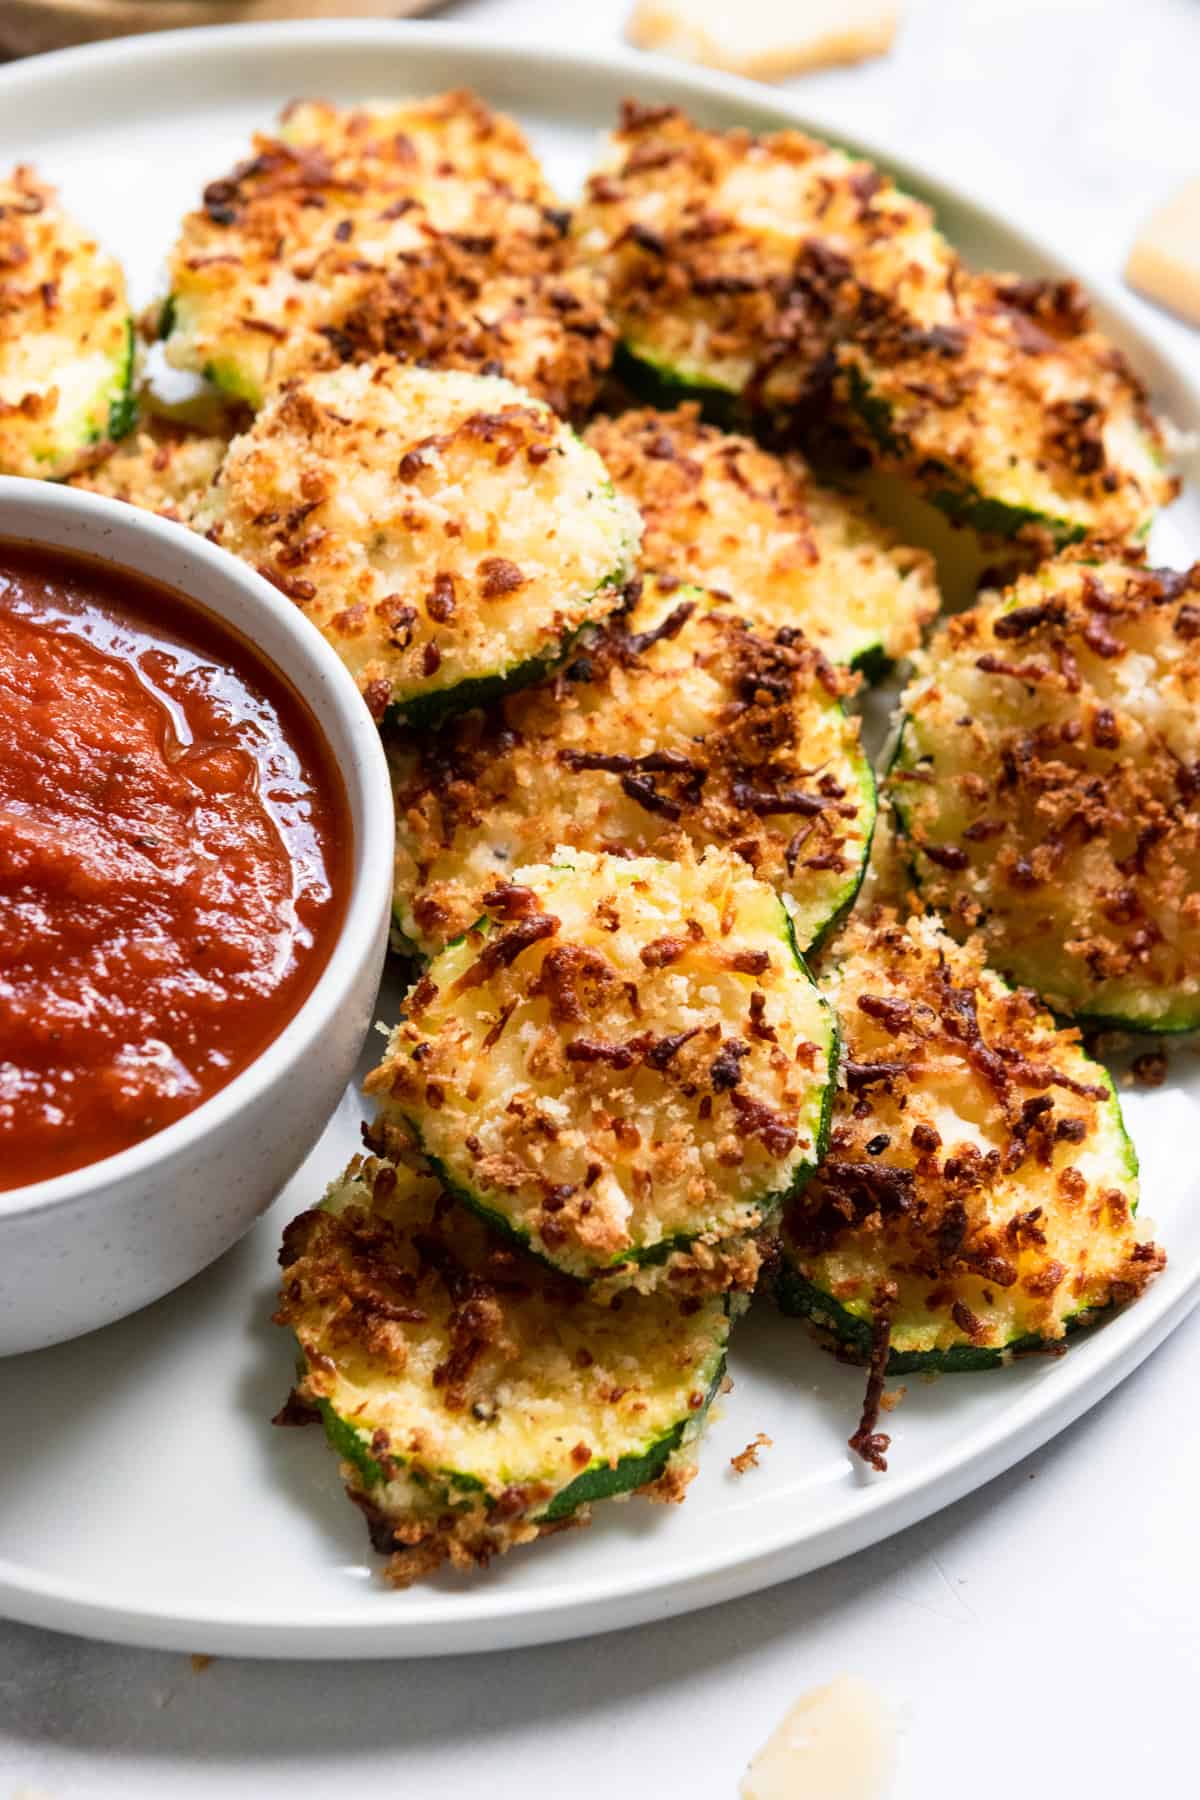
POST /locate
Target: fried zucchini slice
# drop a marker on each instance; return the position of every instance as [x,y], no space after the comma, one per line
[624,1059]
[978,1195]
[679,726]
[66,338]
[748,269]
[446,532]
[425,230]
[720,511]
[161,467]
[1048,786]
[477,1399]
[728,257]
[1013,414]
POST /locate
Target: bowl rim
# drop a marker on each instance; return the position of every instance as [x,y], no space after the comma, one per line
[323,682]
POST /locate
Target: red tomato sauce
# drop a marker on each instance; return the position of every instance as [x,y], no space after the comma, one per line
[175,849]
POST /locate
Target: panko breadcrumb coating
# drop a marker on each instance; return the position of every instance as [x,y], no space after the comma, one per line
[66,340]
[162,468]
[777,272]
[720,511]
[1014,413]
[445,531]
[979,1190]
[625,1063]
[479,1400]
[679,726]
[425,230]
[1048,782]
[726,254]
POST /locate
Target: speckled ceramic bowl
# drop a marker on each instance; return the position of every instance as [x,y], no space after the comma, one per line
[97,1243]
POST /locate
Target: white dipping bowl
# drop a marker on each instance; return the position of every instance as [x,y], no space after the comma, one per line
[88,1247]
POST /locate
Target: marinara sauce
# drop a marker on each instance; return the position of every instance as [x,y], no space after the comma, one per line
[174,858]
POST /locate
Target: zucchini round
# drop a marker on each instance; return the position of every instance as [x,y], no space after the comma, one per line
[679,726]
[1012,413]
[623,1062]
[729,258]
[445,531]
[161,468]
[66,338]
[476,1398]
[425,230]
[720,511]
[1047,784]
[979,1190]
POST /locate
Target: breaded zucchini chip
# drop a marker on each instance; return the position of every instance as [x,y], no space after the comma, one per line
[1012,413]
[477,1399]
[66,338]
[978,1195]
[720,511]
[679,727]
[621,1060]
[1048,784]
[162,468]
[424,229]
[445,531]
[730,257]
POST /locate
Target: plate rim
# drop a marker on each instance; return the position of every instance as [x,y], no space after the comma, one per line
[877,1507]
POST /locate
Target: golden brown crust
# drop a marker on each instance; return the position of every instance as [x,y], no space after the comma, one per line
[63,333]
[1050,785]
[439,528]
[680,725]
[1012,396]
[623,1057]
[466,1385]
[721,511]
[163,468]
[730,257]
[978,1186]
[426,232]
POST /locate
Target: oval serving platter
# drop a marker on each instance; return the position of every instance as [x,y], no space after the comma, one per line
[145,1497]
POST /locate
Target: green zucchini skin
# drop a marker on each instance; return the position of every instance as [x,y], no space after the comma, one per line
[654,384]
[122,408]
[963,506]
[432,710]
[800,1298]
[601,1481]
[604,1481]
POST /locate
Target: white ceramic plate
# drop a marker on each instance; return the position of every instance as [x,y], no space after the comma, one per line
[143,1495]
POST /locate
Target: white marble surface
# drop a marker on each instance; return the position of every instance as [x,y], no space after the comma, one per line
[1042,1633]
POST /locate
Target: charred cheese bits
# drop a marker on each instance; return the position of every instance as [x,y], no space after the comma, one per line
[66,340]
[423,229]
[978,1194]
[159,467]
[720,511]
[624,1060]
[730,257]
[476,1398]
[1011,411]
[445,531]
[681,726]
[1048,785]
